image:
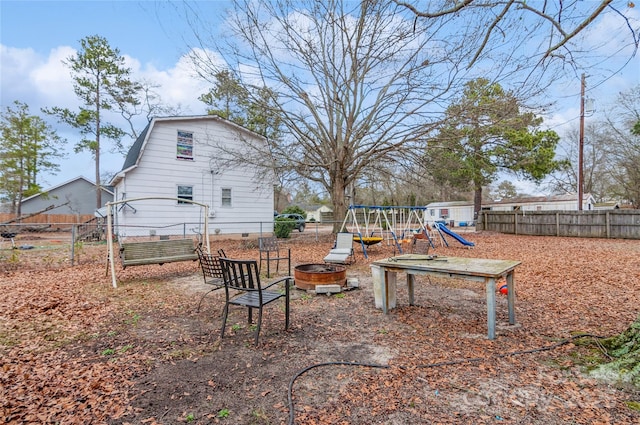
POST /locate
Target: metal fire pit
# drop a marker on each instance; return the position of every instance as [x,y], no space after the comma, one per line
[307,276]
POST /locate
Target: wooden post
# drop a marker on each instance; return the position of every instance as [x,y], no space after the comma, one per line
[112,265]
[73,244]
[581,145]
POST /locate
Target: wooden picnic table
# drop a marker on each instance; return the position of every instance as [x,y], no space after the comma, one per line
[474,269]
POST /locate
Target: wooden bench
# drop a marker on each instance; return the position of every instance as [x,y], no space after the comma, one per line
[157,252]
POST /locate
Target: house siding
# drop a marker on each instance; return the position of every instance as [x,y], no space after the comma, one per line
[158,174]
[316,214]
[552,205]
[80,194]
[460,211]
[457,211]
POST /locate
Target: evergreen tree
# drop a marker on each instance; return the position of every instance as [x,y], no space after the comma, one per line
[102,83]
[28,147]
[486,132]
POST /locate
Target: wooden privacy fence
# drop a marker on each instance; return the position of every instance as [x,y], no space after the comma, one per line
[614,224]
[57,220]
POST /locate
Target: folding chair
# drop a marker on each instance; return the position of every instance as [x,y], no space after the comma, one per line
[243,278]
[270,251]
[342,252]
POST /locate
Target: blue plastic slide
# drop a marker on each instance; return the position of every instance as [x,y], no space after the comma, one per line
[463,241]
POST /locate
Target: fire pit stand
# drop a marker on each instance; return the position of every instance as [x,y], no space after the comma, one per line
[307,276]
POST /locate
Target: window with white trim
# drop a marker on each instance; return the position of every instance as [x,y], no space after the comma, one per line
[184,147]
[226,197]
[185,192]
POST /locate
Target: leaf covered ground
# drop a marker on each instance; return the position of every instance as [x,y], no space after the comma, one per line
[75,350]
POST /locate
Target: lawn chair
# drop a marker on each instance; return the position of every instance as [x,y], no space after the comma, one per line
[211,271]
[342,252]
[243,278]
[270,251]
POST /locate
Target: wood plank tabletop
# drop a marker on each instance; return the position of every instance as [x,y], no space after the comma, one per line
[455,265]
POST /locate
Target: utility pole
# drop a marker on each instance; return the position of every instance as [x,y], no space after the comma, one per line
[581,144]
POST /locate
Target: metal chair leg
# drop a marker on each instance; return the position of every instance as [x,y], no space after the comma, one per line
[202,299]
[224,320]
[259,325]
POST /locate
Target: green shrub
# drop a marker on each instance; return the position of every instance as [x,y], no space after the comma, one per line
[282,227]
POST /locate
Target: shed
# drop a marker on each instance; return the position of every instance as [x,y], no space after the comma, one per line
[318,213]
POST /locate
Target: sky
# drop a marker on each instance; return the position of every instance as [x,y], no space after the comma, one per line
[153,36]
[35,36]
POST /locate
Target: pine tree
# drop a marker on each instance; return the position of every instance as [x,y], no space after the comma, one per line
[102,83]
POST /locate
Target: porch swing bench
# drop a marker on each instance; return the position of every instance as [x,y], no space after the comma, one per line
[157,252]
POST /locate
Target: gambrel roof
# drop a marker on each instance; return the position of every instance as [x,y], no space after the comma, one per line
[137,149]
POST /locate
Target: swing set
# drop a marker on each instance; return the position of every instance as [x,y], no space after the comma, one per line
[373,224]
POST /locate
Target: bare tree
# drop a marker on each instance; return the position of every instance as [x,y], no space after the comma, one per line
[622,122]
[149,104]
[353,86]
[357,84]
[562,22]
[597,160]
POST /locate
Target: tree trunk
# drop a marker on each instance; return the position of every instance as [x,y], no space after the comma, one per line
[97,152]
[477,202]
[338,200]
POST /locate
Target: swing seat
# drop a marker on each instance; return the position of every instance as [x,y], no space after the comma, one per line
[157,252]
[367,240]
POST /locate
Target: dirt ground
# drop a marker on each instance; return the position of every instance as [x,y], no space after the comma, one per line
[76,350]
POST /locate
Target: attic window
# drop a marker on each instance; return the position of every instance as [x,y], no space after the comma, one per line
[185,145]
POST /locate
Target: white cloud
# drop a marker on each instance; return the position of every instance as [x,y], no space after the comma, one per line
[36,80]
[14,65]
[178,86]
[52,80]
[44,81]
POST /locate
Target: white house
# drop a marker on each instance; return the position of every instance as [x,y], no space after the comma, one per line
[75,196]
[176,157]
[316,212]
[461,212]
[456,211]
[567,202]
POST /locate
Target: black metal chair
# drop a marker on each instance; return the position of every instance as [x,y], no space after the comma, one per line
[211,271]
[243,288]
[270,251]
